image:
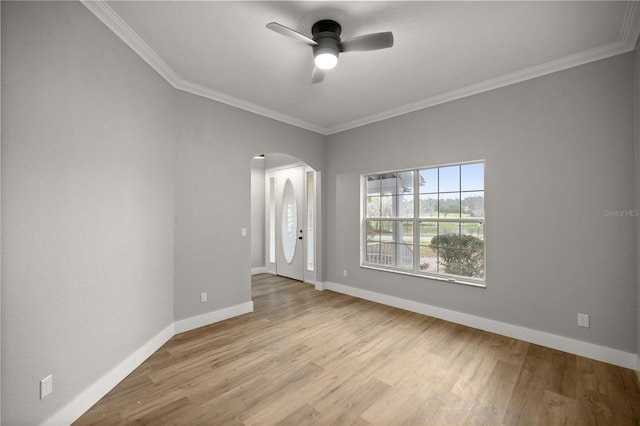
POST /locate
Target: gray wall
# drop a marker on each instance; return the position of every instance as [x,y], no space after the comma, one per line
[0,233]
[123,199]
[277,160]
[559,151]
[88,195]
[636,81]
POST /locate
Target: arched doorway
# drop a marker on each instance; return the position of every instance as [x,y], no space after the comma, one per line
[290,218]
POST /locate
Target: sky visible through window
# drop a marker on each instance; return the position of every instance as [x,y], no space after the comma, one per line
[467,177]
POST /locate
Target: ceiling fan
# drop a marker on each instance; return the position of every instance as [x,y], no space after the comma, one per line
[326,43]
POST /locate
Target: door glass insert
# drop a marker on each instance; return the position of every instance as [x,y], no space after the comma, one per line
[289,222]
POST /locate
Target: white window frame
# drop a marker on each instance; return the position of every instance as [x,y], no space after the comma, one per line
[416,220]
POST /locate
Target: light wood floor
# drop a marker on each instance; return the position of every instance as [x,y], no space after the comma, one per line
[310,357]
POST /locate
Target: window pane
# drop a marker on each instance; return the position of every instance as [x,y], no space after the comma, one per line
[466,259]
[386,206]
[373,185]
[407,231]
[373,206]
[373,231]
[373,253]
[428,230]
[405,256]
[473,204]
[428,256]
[428,259]
[388,183]
[448,234]
[449,179]
[476,268]
[373,241]
[428,205]
[405,182]
[472,177]
[405,206]
[386,254]
[386,230]
[428,181]
[449,205]
[469,263]
[404,250]
[473,229]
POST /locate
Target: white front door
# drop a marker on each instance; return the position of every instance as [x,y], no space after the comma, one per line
[290,226]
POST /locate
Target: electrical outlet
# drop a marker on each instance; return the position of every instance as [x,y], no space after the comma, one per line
[203,297]
[46,386]
[583,320]
[344,273]
[243,232]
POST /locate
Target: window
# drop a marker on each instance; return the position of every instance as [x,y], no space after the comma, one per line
[427,221]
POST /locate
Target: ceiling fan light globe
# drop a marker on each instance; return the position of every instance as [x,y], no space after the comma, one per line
[326,60]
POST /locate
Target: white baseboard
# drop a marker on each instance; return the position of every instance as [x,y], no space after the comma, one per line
[259,270]
[576,347]
[211,317]
[87,398]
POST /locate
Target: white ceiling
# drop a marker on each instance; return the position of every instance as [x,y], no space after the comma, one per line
[443,51]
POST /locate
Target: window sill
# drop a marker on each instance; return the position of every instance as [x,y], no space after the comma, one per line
[431,277]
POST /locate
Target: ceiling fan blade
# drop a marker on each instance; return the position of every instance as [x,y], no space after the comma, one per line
[281,29]
[318,75]
[363,43]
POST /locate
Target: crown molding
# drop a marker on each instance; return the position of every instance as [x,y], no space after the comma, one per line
[629,33]
[630,25]
[205,92]
[116,24]
[571,61]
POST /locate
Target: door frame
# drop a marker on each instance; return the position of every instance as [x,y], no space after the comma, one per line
[311,261]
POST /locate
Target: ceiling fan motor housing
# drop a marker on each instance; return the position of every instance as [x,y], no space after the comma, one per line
[326,26]
[327,34]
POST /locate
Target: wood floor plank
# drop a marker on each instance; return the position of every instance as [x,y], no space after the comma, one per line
[344,404]
[303,415]
[525,405]
[559,410]
[499,386]
[306,357]
[561,377]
